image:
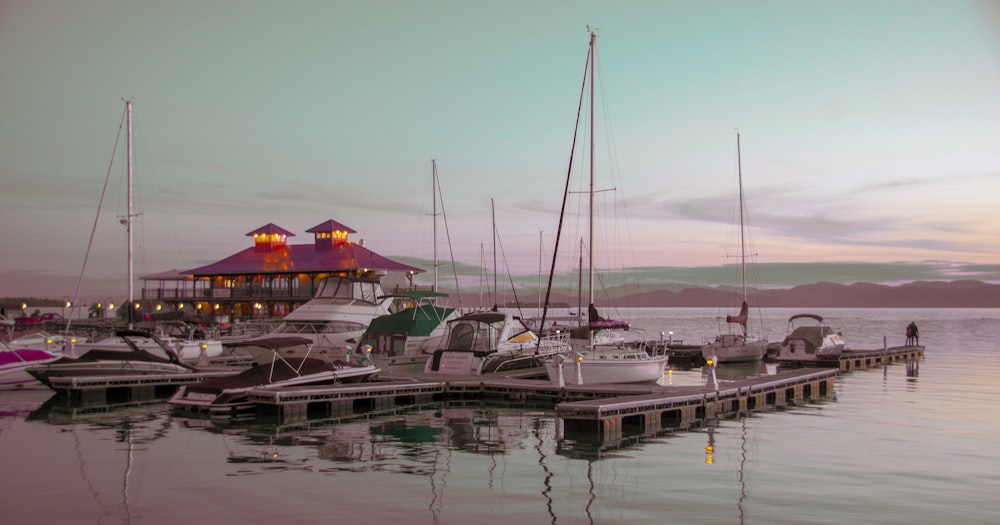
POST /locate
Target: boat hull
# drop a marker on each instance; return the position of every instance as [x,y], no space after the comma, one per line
[46,373]
[737,351]
[14,365]
[597,371]
[229,396]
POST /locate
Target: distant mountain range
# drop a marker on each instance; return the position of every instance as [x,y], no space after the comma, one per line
[919,294]
[927,284]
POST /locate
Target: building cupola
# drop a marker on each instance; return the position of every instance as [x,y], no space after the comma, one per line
[270,238]
[330,234]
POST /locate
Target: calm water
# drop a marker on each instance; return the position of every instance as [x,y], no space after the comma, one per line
[895,445]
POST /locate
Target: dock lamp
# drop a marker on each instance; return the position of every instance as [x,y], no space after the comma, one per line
[711,363]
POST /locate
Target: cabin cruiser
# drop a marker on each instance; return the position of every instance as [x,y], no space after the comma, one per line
[402,341]
[228,396]
[492,342]
[337,316]
[810,340]
[130,354]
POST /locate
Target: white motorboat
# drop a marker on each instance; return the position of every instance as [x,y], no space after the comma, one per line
[337,316]
[189,344]
[41,340]
[810,340]
[228,396]
[14,364]
[492,342]
[113,359]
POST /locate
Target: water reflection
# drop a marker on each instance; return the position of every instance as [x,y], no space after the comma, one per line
[741,461]
[738,371]
[132,427]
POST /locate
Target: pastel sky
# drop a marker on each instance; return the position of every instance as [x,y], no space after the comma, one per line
[869,129]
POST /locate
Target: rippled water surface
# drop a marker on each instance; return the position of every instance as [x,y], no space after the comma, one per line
[907,444]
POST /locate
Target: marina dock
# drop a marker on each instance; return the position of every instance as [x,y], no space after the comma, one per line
[860,359]
[606,410]
[127,389]
[610,413]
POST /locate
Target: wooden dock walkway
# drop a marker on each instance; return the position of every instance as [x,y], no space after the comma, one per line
[609,414]
[604,410]
[859,359]
[128,388]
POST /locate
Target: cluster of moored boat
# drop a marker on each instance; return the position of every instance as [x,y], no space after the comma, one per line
[340,337]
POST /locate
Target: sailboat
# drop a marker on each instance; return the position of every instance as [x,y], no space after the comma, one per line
[737,347]
[403,340]
[608,356]
[127,352]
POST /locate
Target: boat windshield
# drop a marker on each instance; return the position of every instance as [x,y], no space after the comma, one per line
[473,335]
[318,327]
[347,290]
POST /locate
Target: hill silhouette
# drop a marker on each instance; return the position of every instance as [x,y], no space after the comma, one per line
[919,294]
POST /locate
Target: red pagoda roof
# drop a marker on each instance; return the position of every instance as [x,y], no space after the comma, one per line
[271,229]
[330,226]
[301,258]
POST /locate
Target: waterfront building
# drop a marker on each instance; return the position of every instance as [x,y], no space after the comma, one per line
[272,277]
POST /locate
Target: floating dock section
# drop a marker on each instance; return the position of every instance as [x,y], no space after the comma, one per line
[688,407]
[132,388]
[860,359]
[604,410]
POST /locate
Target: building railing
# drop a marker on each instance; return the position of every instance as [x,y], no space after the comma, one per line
[176,294]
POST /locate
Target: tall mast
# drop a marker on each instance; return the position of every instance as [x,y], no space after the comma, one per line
[128,217]
[743,251]
[579,289]
[434,189]
[540,257]
[593,64]
[496,291]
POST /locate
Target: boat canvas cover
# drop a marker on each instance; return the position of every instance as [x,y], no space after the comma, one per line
[740,319]
[599,323]
[260,375]
[811,335]
[417,321]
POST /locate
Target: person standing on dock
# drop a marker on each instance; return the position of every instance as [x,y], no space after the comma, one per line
[912,334]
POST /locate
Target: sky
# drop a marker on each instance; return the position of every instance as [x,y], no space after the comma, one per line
[868,131]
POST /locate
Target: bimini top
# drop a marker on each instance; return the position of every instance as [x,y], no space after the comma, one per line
[814,317]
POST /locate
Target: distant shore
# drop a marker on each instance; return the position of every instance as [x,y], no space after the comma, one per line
[919,294]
